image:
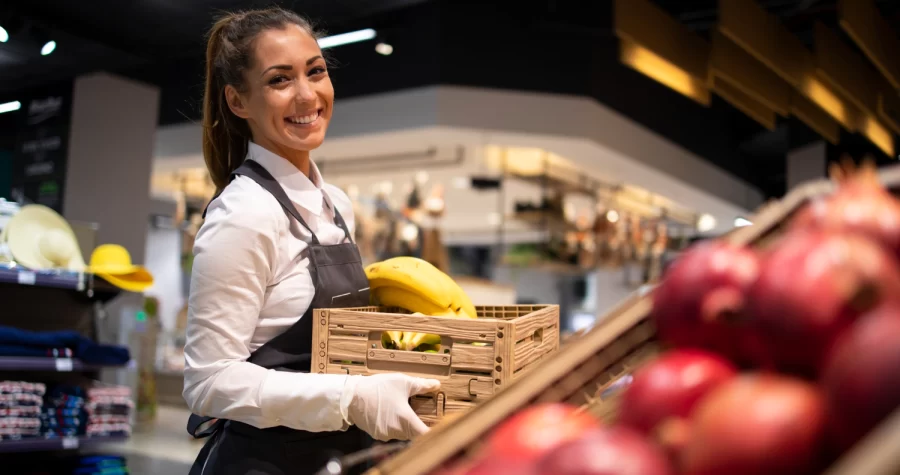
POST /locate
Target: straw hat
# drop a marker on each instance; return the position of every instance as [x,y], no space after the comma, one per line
[113,263]
[39,238]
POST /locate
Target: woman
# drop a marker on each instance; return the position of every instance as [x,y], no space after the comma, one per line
[275,244]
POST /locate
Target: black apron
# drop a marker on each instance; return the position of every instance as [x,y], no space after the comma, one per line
[236,448]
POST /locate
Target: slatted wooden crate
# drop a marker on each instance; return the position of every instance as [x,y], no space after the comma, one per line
[624,340]
[478,357]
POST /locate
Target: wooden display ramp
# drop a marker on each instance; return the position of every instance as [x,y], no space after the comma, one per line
[625,338]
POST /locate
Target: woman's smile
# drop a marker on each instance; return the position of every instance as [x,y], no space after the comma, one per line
[306,121]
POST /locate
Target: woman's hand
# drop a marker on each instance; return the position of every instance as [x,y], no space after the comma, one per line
[379,404]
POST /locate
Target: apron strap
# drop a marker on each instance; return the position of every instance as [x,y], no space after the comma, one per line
[259,174]
[338,219]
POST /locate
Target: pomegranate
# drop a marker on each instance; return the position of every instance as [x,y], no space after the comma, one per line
[861,379]
[700,301]
[538,429]
[812,285]
[665,391]
[606,451]
[860,204]
[757,424]
[500,466]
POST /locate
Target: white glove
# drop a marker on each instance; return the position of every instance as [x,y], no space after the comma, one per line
[379,404]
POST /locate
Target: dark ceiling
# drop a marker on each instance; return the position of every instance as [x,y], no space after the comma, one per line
[558,46]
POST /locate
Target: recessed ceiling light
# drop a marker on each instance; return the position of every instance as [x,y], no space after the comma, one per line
[48,47]
[346,38]
[384,49]
[10,106]
[4,35]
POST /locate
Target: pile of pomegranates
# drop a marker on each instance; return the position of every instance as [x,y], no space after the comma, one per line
[776,360]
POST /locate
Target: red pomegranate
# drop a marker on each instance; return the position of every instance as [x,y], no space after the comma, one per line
[812,285]
[606,451]
[757,424]
[861,204]
[862,375]
[536,430]
[701,300]
[665,391]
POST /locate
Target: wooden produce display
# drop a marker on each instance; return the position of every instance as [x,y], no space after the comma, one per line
[625,340]
[477,357]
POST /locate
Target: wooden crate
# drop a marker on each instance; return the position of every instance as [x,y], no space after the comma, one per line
[623,340]
[479,357]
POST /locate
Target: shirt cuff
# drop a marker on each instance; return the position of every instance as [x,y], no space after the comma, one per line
[303,401]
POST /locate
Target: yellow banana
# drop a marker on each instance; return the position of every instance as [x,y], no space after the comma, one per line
[417,286]
[391,338]
[401,298]
[412,301]
[420,277]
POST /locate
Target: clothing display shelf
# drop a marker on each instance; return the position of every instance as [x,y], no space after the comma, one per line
[62,365]
[89,284]
[59,443]
[48,301]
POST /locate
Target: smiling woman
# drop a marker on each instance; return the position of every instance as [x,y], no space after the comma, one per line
[274,245]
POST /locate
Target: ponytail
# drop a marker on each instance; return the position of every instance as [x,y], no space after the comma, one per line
[229,53]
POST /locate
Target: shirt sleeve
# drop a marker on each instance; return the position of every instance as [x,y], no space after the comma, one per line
[234,256]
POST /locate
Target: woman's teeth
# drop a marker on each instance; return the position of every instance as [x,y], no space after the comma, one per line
[306,119]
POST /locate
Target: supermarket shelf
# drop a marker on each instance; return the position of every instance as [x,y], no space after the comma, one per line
[35,363]
[61,443]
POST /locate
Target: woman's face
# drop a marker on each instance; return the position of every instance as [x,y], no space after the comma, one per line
[288,96]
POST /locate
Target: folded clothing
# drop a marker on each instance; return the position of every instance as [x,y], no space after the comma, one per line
[21,411]
[82,347]
[15,433]
[106,430]
[22,387]
[109,411]
[94,392]
[20,399]
[64,413]
[20,423]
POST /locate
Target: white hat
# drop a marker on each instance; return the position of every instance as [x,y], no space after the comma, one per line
[39,238]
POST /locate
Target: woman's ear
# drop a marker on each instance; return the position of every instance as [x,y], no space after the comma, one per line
[236,102]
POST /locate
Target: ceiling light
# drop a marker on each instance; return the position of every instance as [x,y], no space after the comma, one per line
[612,216]
[384,48]
[422,177]
[4,35]
[48,47]
[10,106]
[741,222]
[346,38]
[706,223]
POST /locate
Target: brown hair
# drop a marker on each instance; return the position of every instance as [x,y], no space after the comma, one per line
[229,54]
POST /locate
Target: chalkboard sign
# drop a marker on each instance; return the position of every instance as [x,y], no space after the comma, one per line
[39,161]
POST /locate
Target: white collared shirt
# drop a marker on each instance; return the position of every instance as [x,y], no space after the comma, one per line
[249,283]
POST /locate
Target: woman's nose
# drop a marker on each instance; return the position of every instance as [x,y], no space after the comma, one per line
[305,92]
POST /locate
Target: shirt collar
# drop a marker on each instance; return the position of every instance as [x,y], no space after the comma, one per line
[303,191]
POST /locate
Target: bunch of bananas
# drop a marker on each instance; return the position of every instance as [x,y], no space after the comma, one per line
[420,288]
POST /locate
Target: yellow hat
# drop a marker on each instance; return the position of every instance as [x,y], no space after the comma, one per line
[39,238]
[112,262]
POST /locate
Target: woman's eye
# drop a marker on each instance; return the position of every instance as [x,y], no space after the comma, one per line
[278,79]
[316,71]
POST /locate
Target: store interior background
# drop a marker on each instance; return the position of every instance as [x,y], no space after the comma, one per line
[494,106]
